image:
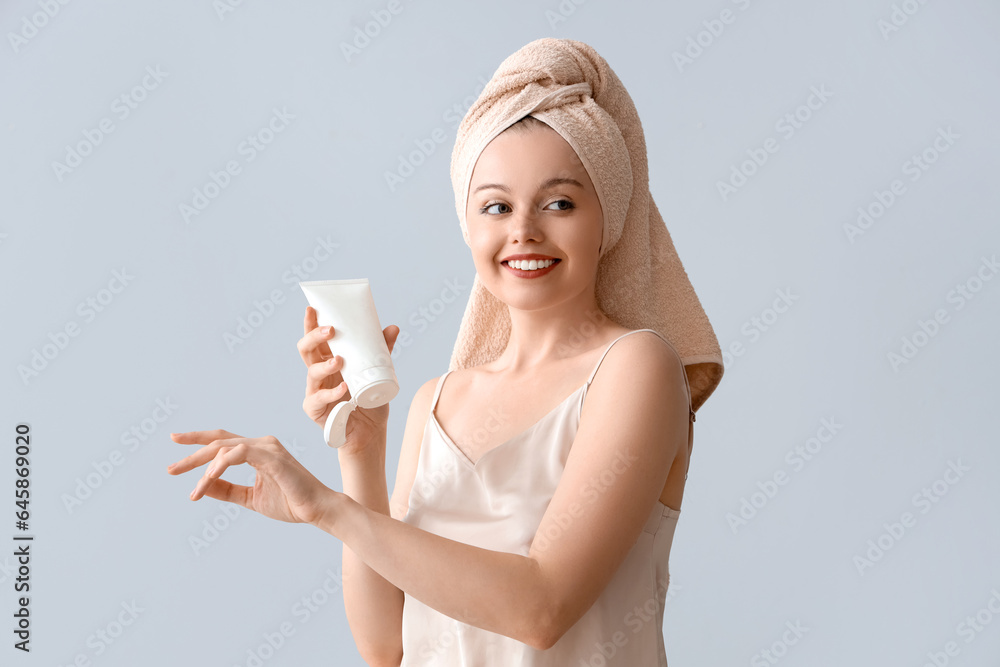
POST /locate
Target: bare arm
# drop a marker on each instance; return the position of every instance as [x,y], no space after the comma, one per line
[374,606]
[536,598]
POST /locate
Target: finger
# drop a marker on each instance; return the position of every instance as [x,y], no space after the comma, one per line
[390,338]
[310,322]
[233,493]
[202,437]
[206,482]
[313,346]
[232,454]
[320,371]
[203,455]
[316,403]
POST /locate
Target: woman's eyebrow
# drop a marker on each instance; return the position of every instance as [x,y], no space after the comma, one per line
[544,186]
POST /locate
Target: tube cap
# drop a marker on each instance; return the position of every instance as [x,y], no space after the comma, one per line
[335,429]
[378,393]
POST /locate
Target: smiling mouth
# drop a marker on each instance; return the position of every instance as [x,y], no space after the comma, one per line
[538,270]
[553,260]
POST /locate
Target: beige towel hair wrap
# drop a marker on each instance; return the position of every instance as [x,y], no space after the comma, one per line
[641,282]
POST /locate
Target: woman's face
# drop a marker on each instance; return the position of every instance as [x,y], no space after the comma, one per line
[516,207]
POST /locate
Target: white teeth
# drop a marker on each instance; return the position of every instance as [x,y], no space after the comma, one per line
[530,264]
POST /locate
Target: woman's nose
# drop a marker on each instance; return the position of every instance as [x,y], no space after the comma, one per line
[524,227]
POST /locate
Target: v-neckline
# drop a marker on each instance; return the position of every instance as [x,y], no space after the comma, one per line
[465,457]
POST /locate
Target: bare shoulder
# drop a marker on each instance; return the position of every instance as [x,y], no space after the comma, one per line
[422,398]
[409,453]
[648,343]
[642,362]
[641,342]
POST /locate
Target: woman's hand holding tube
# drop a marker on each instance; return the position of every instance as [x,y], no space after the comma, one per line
[325,386]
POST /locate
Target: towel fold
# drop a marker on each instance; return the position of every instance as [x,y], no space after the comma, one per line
[641,282]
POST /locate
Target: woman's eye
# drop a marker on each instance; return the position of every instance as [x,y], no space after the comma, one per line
[486,209]
[489,206]
[563,201]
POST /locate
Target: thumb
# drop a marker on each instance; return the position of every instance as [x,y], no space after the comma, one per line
[391,333]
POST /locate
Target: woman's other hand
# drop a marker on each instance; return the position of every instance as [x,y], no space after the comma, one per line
[325,386]
[283,488]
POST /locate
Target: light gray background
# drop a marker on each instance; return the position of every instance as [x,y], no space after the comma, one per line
[162,337]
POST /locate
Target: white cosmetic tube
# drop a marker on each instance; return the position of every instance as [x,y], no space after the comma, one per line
[348,306]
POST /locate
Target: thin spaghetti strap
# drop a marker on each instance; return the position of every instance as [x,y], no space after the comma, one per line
[437,390]
[687,388]
[608,349]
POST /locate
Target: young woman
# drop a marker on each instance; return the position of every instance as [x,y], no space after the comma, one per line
[538,491]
